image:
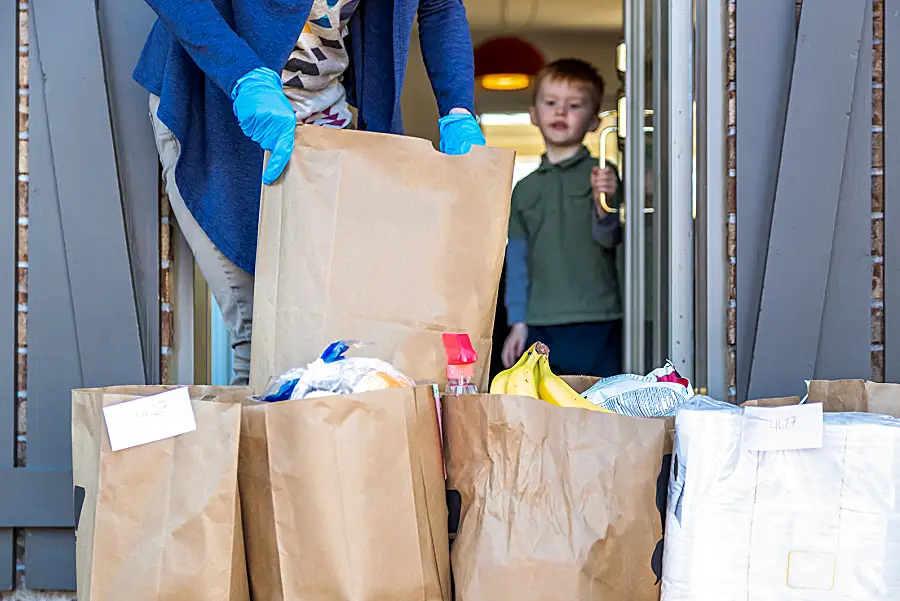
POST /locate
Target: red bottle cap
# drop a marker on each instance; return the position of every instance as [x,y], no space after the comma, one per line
[461,356]
[460,372]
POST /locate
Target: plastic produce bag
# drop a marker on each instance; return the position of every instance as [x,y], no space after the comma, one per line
[657,394]
[332,373]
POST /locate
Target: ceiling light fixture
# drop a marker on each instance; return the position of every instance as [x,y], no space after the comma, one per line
[507,63]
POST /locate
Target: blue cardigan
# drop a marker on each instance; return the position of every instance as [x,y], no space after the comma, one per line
[198,49]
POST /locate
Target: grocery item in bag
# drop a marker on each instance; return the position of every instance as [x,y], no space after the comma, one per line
[380,238]
[461,361]
[783,525]
[657,394]
[160,521]
[531,376]
[332,373]
[556,503]
[344,498]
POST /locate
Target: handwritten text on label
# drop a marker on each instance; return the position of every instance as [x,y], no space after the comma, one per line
[149,419]
[793,427]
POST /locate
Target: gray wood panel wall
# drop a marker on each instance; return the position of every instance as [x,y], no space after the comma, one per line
[804,197]
[766,36]
[845,337]
[800,237]
[93,254]
[124,25]
[54,369]
[8,226]
[85,167]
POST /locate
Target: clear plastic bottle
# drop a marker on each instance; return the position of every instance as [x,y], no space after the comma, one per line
[461,359]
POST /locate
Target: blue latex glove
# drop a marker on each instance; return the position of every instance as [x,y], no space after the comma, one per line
[459,133]
[266,117]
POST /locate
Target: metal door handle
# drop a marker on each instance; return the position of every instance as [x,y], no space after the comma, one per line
[648,129]
[603,135]
[603,202]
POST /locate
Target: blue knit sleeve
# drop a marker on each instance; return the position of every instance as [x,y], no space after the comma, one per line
[208,39]
[447,51]
[606,228]
[516,281]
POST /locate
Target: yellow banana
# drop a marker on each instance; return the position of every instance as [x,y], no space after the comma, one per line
[498,386]
[554,390]
[523,379]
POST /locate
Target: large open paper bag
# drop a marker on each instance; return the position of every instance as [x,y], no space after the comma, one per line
[844,396]
[160,521]
[556,503]
[343,498]
[382,239]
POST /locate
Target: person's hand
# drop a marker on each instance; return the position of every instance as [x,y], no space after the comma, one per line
[514,345]
[459,133]
[266,117]
[603,181]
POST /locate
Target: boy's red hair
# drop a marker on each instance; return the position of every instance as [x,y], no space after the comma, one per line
[574,71]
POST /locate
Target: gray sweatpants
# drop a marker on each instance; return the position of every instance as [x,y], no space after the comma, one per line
[231,286]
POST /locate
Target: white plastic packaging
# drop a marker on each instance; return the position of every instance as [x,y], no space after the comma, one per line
[809,525]
[332,373]
[657,394]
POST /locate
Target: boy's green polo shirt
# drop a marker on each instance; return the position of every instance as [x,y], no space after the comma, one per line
[572,279]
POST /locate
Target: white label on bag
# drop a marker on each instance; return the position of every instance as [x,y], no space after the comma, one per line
[788,428]
[149,419]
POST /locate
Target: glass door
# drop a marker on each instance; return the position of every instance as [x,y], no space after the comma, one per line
[657,262]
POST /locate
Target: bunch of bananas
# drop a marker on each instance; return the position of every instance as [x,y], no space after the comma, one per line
[532,377]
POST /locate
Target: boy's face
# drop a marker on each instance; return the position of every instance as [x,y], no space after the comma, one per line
[564,112]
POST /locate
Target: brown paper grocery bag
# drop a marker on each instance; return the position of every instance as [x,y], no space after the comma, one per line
[883,399]
[381,239]
[845,396]
[556,503]
[856,396]
[160,521]
[344,499]
[773,402]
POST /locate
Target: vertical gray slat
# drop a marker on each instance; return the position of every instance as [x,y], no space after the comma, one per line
[806,197]
[891,190]
[766,35]
[845,340]
[8,99]
[54,366]
[54,363]
[87,183]
[659,326]
[124,25]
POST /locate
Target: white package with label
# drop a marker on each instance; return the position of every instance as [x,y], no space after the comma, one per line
[817,524]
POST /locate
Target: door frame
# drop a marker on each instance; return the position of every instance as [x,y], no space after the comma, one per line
[712,219]
[690,233]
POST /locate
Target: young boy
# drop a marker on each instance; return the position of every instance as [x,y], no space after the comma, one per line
[561,285]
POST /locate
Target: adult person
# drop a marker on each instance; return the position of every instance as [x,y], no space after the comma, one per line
[229,79]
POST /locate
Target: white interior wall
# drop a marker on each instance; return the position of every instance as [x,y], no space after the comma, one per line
[419,109]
